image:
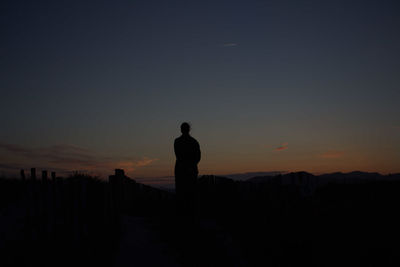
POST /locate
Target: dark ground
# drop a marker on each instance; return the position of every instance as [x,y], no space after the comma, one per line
[234,224]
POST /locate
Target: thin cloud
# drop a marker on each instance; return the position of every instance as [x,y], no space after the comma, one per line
[332,155]
[145,161]
[230,44]
[283,146]
[132,165]
[14,148]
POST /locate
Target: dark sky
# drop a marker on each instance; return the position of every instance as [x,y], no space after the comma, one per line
[267,85]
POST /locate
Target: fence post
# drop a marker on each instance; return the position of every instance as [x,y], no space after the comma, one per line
[115,182]
[33,174]
[25,195]
[44,176]
[122,189]
[45,202]
[53,205]
[33,193]
[83,207]
[106,204]
[24,187]
[76,206]
[120,177]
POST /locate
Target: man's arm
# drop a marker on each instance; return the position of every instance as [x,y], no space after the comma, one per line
[198,152]
[179,151]
[176,149]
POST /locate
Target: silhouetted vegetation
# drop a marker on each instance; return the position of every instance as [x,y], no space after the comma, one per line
[64,221]
[277,223]
[284,220]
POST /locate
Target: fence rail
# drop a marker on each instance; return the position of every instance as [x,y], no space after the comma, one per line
[79,207]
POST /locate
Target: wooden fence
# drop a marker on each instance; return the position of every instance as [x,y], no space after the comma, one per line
[80,206]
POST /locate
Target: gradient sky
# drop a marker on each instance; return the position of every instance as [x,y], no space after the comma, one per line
[267,85]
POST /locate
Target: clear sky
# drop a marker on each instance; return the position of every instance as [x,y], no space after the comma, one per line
[267,85]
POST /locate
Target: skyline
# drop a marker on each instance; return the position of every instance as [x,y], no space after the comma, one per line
[267,85]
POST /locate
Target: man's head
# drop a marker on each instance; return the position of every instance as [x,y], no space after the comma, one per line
[185,128]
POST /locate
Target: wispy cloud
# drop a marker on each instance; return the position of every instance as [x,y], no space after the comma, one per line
[283,146]
[130,166]
[14,148]
[229,44]
[67,157]
[145,161]
[332,155]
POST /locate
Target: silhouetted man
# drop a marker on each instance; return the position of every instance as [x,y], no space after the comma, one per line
[187,152]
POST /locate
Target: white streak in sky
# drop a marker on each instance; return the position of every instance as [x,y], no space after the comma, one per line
[229,44]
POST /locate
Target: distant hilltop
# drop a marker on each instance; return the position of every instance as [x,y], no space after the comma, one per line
[248,175]
[336,177]
[306,183]
[303,179]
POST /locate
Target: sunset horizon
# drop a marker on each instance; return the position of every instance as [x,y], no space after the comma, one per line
[200,133]
[266,86]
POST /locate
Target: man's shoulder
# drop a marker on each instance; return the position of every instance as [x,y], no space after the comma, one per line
[178,140]
[193,140]
[186,139]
